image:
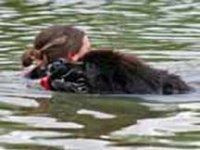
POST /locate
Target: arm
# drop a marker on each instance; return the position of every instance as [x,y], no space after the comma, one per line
[65,77]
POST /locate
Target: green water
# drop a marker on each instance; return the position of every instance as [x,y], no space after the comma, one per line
[165,33]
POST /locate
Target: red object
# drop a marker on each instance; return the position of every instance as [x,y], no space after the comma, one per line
[44,82]
[70,55]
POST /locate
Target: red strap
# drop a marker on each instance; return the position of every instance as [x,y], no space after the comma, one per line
[44,82]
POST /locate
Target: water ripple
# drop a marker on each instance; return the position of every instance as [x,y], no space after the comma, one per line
[164,33]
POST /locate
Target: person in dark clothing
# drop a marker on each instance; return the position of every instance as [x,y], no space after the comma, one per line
[68,64]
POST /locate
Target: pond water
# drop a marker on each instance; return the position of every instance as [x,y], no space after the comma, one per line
[164,33]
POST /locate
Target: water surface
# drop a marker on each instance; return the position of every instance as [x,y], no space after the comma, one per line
[164,33]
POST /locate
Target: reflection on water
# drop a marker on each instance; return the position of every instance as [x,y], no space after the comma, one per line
[165,33]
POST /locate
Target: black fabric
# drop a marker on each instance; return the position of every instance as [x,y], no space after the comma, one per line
[67,77]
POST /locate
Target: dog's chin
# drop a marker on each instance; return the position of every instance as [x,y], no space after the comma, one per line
[27,70]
